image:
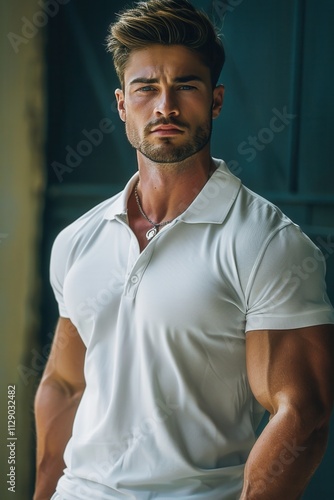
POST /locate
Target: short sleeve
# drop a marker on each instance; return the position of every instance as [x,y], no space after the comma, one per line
[286,288]
[58,266]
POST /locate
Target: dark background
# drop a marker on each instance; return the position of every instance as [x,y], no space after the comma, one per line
[279,61]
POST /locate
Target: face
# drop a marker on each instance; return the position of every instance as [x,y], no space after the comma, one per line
[168,103]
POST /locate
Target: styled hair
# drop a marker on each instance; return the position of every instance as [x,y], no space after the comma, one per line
[165,22]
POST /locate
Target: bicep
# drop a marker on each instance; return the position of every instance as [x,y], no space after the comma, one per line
[65,365]
[292,367]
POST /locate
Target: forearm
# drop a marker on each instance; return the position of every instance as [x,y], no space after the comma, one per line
[55,410]
[283,460]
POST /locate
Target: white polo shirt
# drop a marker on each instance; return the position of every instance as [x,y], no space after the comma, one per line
[167,412]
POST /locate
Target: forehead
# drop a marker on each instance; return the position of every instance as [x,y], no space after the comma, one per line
[165,62]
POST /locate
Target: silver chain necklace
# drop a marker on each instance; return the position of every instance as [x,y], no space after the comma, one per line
[156,225]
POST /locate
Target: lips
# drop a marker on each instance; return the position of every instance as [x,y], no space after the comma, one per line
[166,129]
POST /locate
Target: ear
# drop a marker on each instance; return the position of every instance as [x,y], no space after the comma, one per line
[119,94]
[218,98]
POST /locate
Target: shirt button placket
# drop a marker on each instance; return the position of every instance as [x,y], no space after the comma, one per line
[138,271]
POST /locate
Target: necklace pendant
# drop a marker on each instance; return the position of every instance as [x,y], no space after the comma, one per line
[151,233]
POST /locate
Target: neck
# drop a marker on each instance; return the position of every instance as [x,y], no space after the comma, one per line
[166,190]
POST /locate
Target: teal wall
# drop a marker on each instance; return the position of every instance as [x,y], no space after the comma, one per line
[276,130]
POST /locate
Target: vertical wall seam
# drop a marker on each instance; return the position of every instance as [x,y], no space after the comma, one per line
[297,64]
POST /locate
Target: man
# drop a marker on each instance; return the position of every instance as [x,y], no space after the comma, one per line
[181,318]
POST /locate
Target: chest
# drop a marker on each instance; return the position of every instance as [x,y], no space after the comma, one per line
[183,279]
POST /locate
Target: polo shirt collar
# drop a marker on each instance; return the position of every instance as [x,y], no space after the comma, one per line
[211,205]
[119,205]
[216,198]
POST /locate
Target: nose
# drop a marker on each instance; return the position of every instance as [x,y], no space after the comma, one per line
[167,103]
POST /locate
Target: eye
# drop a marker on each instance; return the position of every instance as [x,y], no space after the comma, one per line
[147,88]
[187,87]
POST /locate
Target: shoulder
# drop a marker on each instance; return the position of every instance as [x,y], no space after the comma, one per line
[259,215]
[270,231]
[73,238]
[261,237]
[256,216]
[252,223]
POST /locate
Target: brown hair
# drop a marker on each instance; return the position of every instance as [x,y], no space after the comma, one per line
[165,22]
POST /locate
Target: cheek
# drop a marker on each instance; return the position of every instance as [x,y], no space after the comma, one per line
[138,117]
[142,106]
[132,130]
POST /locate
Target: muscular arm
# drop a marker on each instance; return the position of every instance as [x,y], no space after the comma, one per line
[291,374]
[56,402]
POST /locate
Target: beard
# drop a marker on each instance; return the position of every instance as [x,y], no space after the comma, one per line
[166,151]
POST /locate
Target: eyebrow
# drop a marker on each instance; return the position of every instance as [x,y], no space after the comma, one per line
[179,79]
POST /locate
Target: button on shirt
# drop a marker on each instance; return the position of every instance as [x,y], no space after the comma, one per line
[167,411]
